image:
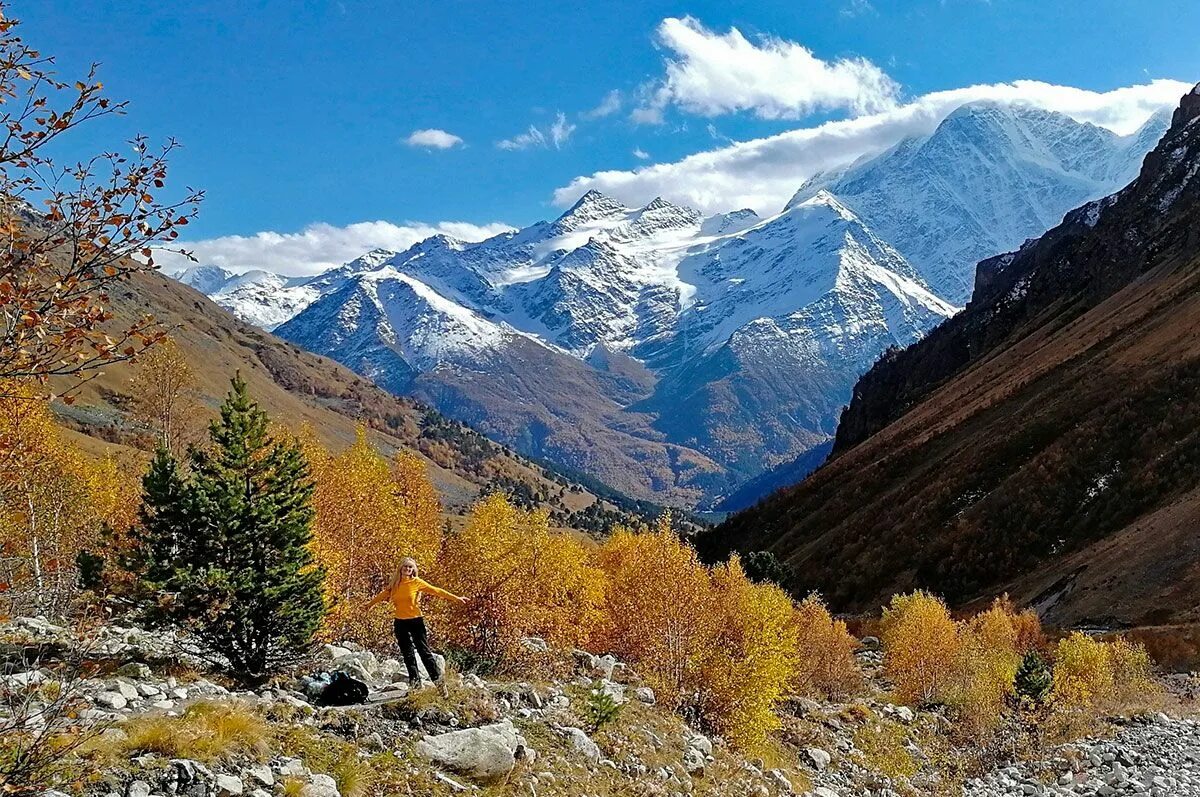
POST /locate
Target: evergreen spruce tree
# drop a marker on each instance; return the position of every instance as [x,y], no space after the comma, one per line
[225,552]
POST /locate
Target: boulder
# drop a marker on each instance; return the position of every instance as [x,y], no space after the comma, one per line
[320,786]
[138,788]
[134,669]
[534,644]
[229,786]
[700,742]
[486,754]
[817,758]
[693,761]
[260,774]
[582,743]
[113,700]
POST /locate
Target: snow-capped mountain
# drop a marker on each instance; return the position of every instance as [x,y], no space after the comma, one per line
[675,356]
[988,178]
[266,299]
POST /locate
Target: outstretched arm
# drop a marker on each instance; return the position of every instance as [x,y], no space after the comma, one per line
[441,593]
[380,598]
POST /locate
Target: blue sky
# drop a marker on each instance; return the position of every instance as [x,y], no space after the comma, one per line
[295,121]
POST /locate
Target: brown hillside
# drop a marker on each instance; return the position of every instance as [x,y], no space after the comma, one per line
[297,388]
[1046,441]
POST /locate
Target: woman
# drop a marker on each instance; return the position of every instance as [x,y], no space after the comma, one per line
[404,592]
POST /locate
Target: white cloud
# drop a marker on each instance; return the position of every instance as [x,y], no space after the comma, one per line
[555,136]
[857,8]
[432,139]
[641,154]
[318,247]
[710,74]
[763,173]
[608,106]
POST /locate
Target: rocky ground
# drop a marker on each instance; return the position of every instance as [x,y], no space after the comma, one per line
[164,725]
[1154,755]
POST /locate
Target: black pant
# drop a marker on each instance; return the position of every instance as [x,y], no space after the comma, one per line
[413,640]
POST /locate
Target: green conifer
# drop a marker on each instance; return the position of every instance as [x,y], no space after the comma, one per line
[225,551]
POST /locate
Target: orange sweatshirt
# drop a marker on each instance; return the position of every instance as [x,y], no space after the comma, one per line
[404,597]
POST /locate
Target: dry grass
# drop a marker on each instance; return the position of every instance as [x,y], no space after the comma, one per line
[206,732]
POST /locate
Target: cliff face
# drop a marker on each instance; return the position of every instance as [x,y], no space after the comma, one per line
[1042,441]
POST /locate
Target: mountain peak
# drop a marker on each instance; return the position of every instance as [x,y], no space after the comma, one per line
[1188,110]
[592,206]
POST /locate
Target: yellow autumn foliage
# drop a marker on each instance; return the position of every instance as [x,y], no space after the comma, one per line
[522,579]
[986,666]
[827,668]
[921,646]
[1092,674]
[55,501]
[369,514]
[659,613]
[753,657]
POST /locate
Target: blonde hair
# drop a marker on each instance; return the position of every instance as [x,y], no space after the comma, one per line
[398,573]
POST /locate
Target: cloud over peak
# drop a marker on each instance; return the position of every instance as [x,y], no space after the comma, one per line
[710,73]
[763,173]
[432,138]
[318,247]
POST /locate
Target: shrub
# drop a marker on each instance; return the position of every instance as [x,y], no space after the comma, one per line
[826,667]
[1034,678]
[921,646]
[522,580]
[206,732]
[1083,672]
[752,659]
[1131,669]
[600,708]
[985,668]
[883,749]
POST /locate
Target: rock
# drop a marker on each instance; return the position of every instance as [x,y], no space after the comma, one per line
[583,744]
[781,780]
[905,714]
[645,694]
[148,690]
[126,689]
[113,735]
[138,788]
[604,667]
[291,768]
[333,652]
[585,660]
[824,791]
[320,786]
[534,644]
[870,643]
[261,774]
[135,669]
[113,700]
[693,761]
[485,754]
[700,742]
[817,758]
[230,786]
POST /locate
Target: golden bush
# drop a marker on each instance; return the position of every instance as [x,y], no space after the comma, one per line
[921,647]
[659,611]
[522,580]
[826,667]
[55,502]
[1132,669]
[986,667]
[753,658]
[1083,672]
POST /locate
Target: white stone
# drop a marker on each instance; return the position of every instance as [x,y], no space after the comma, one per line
[645,694]
[818,758]
[229,786]
[320,786]
[486,754]
[114,700]
[582,743]
[138,788]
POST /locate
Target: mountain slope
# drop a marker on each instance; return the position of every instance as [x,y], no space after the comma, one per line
[989,177]
[299,388]
[518,335]
[1043,441]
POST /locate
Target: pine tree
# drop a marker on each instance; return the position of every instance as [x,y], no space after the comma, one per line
[226,551]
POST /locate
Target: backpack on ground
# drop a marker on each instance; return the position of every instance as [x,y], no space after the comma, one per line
[343,690]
